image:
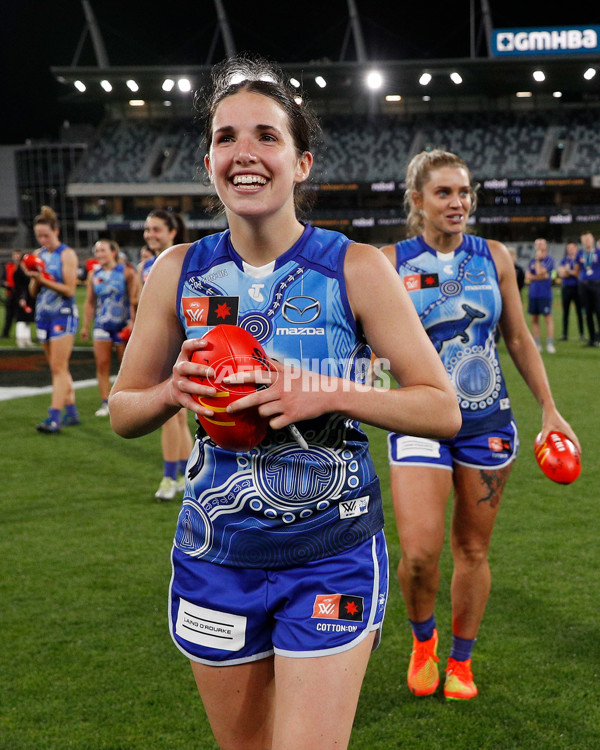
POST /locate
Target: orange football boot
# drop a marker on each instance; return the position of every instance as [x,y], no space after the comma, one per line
[423,675]
[459,681]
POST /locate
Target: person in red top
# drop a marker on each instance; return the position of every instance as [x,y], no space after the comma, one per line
[24,304]
[8,282]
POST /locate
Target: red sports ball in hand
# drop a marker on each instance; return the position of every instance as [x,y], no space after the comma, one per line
[230,350]
[558,458]
[33,262]
[91,264]
[125,333]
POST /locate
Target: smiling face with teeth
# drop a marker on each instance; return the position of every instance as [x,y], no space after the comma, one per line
[445,202]
[252,160]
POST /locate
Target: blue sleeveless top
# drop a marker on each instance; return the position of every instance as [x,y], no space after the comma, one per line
[146,268]
[112,298]
[457,296]
[278,505]
[49,303]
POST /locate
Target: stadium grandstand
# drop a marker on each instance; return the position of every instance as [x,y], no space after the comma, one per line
[525,120]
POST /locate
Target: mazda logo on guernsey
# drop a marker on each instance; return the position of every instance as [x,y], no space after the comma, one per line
[475,277]
[300,310]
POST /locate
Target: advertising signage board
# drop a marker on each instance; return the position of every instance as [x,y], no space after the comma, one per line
[558,40]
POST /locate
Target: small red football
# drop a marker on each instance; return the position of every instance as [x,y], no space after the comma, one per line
[558,458]
[125,333]
[230,350]
[33,262]
[91,264]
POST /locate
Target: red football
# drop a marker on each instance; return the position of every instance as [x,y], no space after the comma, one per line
[33,262]
[231,349]
[91,264]
[558,458]
[125,333]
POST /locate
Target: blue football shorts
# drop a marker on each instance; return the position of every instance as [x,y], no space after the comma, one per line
[102,334]
[222,616]
[541,306]
[491,450]
[55,327]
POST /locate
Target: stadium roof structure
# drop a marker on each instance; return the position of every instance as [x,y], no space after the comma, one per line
[545,65]
[344,84]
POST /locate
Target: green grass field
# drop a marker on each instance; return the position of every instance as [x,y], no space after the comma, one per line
[86,660]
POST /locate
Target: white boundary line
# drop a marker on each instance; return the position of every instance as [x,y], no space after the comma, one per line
[21,391]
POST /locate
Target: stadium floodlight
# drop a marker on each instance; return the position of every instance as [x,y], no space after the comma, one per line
[393,98]
[295,83]
[184,84]
[557,94]
[589,74]
[106,85]
[132,85]
[523,94]
[80,86]
[456,78]
[168,84]
[425,79]
[539,76]
[374,80]
[136,102]
[320,81]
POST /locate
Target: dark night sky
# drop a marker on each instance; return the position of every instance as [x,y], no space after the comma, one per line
[35,36]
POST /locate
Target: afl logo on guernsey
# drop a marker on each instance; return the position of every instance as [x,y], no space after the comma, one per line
[210,311]
[416,281]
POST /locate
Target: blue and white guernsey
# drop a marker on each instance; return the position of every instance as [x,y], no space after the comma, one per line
[278,505]
[146,268]
[48,303]
[457,296]
[112,298]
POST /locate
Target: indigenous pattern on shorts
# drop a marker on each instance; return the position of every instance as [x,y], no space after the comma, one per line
[279,505]
[112,298]
[48,302]
[457,296]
